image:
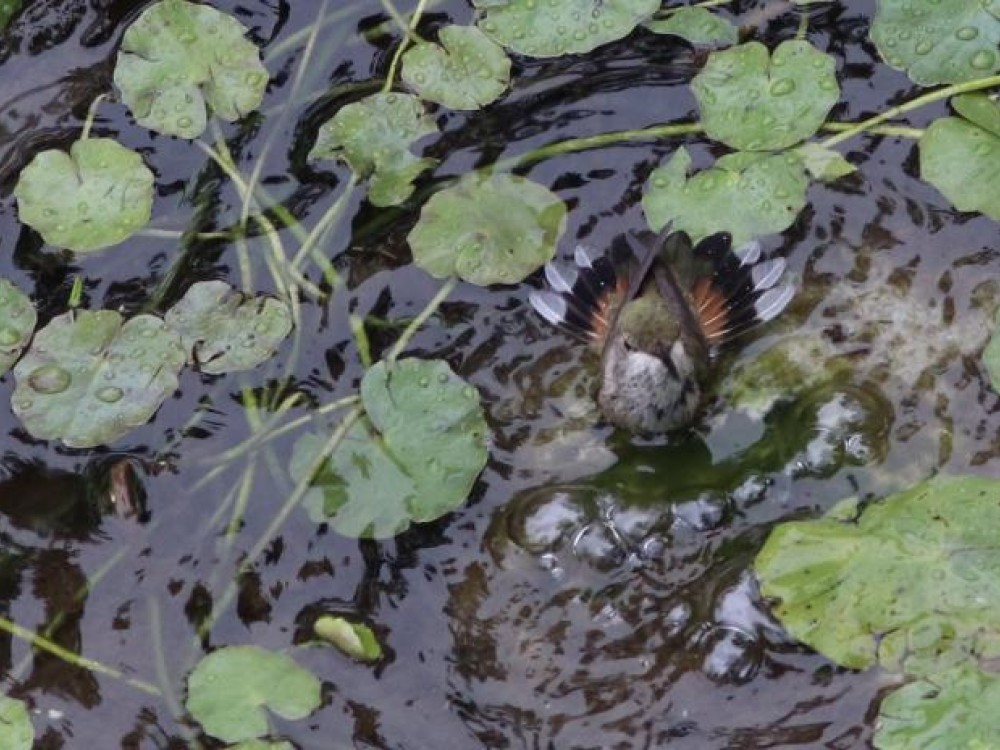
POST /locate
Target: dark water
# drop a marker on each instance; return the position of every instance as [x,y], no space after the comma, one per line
[596,591]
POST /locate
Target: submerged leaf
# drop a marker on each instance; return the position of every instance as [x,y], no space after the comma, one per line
[226,331]
[412,459]
[17,732]
[939,42]
[229,690]
[180,59]
[17,321]
[698,26]
[374,136]
[754,101]
[488,230]
[467,71]
[551,29]
[746,194]
[824,163]
[97,195]
[962,161]
[354,639]
[88,378]
[913,585]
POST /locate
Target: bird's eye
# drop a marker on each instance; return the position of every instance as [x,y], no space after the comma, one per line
[627,345]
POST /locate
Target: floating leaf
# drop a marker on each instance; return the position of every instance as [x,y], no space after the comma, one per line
[913,585]
[824,163]
[962,161]
[551,29]
[374,136]
[17,321]
[354,639]
[958,708]
[414,458]
[746,194]
[754,101]
[97,195]
[979,109]
[262,745]
[698,26]
[179,60]
[17,732]
[939,42]
[488,229]
[8,9]
[88,379]
[468,71]
[229,690]
[226,331]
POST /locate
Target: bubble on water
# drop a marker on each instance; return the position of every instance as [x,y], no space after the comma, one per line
[734,656]
[598,546]
[545,521]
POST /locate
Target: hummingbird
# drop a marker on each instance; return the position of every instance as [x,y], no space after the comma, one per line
[660,326]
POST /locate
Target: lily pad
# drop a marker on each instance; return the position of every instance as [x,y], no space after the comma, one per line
[97,195]
[754,101]
[180,60]
[412,459]
[231,690]
[979,109]
[17,732]
[698,26]
[263,745]
[226,331]
[939,42]
[17,321]
[824,163]
[745,194]
[962,161]
[467,71]
[352,638]
[914,585]
[89,378]
[374,136]
[551,29]
[488,229]
[959,708]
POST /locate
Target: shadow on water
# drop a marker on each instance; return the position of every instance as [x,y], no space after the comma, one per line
[596,591]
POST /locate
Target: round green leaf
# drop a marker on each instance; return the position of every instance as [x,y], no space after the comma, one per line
[262,745]
[979,109]
[17,733]
[698,26]
[551,29]
[88,379]
[226,331]
[374,136]
[913,585]
[97,195]
[746,194]
[753,101]
[468,71]
[352,638]
[939,42]
[180,59]
[17,321]
[959,708]
[824,163]
[413,458]
[962,161]
[488,229]
[229,690]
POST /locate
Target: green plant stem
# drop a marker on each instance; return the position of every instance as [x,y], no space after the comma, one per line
[91,116]
[893,131]
[418,321]
[667,12]
[403,44]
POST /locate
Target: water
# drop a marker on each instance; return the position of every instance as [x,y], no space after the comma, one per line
[596,590]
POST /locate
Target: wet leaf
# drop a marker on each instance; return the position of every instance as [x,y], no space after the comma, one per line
[226,331]
[17,732]
[412,459]
[17,321]
[467,71]
[374,136]
[939,42]
[354,639]
[824,163]
[180,60]
[88,378]
[746,194]
[97,195]
[552,29]
[262,745]
[488,229]
[979,109]
[913,585]
[962,161]
[231,690]
[754,101]
[959,708]
[698,26]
